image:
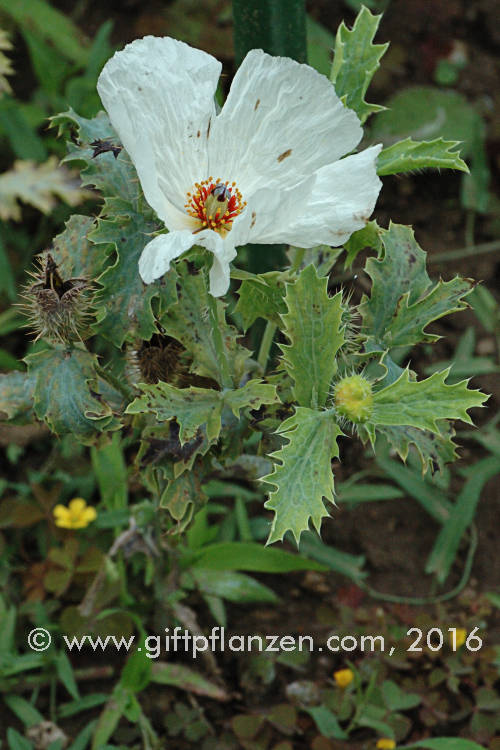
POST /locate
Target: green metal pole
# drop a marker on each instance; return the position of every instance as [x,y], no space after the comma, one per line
[279,28]
[276,26]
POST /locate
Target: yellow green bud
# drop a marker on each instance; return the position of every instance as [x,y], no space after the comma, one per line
[353,398]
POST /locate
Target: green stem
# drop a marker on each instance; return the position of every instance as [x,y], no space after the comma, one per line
[276,26]
[470,220]
[265,344]
[226,379]
[465,252]
[297,261]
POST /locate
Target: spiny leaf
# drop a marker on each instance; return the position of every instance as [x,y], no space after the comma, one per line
[369,236]
[250,396]
[112,176]
[195,407]
[355,61]
[37,184]
[322,257]
[420,403]
[444,298]
[410,155]
[403,299]
[6,68]
[16,395]
[261,296]
[192,407]
[313,324]
[126,225]
[304,475]
[66,395]
[182,496]
[188,321]
[73,252]
[124,302]
[434,449]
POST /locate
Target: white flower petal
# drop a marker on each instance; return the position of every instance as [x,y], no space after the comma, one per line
[156,256]
[281,122]
[327,210]
[224,251]
[159,94]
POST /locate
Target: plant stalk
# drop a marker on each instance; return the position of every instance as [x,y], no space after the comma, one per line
[265,344]
[226,379]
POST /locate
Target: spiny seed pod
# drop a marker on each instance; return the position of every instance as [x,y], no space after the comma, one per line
[163,359]
[155,360]
[353,398]
[57,310]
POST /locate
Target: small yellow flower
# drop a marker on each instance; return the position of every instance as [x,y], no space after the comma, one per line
[343,677]
[385,743]
[77,515]
[458,638]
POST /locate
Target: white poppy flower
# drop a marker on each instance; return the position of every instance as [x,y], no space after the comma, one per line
[266,169]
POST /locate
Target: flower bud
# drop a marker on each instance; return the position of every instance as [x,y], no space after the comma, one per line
[58,310]
[353,398]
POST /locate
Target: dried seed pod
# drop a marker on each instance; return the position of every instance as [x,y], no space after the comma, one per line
[57,310]
[163,359]
[155,360]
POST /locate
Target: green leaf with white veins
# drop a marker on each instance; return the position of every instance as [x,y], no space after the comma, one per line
[355,61]
[124,228]
[124,303]
[421,403]
[403,300]
[16,396]
[410,155]
[313,324]
[260,296]
[251,396]
[112,176]
[303,478]
[73,252]
[188,321]
[194,407]
[66,396]
[434,449]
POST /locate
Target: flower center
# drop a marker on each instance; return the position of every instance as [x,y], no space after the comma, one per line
[215,203]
